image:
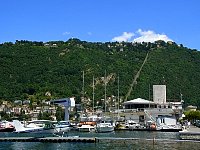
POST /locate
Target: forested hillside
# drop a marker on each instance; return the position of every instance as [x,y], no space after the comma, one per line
[30,70]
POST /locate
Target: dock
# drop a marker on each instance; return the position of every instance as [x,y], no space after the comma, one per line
[48,139]
[192,133]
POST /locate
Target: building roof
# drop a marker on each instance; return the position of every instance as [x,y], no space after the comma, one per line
[138,101]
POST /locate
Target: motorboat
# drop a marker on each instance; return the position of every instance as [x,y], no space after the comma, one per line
[104,127]
[63,126]
[130,124]
[86,128]
[6,126]
[106,124]
[87,124]
[168,124]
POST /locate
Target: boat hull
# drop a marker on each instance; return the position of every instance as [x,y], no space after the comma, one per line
[86,128]
[7,129]
[104,127]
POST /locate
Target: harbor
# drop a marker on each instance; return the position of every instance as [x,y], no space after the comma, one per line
[112,140]
[139,122]
[191,134]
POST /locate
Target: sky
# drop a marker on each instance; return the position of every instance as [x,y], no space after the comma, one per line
[101,20]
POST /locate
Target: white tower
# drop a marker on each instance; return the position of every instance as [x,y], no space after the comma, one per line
[159,94]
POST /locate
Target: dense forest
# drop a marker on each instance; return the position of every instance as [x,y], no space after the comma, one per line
[41,71]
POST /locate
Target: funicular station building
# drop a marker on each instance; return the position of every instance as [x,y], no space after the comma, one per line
[142,111]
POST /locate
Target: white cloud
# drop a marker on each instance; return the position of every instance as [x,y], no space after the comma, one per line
[89,33]
[150,36]
[141,36]
[126,36]
[66,33]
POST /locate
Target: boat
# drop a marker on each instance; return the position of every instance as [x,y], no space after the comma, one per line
[169,128]
[167,124]
[130,124]
[6,126]
[63,126]
[104,127]
[37,126]
[163,123]
[86,124]
[86,128]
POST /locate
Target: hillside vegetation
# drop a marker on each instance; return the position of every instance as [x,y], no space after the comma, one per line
[39,71]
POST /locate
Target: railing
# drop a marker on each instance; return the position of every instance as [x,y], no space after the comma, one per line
[149,116]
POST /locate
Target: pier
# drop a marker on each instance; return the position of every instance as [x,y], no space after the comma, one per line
[192,133]
[48,139]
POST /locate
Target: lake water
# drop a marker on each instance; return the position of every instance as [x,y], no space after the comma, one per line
[143,140]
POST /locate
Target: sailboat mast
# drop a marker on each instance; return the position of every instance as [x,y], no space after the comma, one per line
[93,96]
[118,95]
[105,91]
[83,92]
[83,85]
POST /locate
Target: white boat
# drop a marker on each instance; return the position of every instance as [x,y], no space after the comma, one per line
[87,124]
[63,126]
[168,123]
[104,127]
[34,127]
[6,126]
[86,128]
[130,124]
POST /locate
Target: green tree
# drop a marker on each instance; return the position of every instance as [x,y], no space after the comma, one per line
[192,115]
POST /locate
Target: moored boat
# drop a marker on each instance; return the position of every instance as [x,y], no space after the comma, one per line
[167,124]
[104,127]
[6,126]
[86,128]
[130,124]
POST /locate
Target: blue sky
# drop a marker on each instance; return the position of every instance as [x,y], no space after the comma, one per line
[101,20]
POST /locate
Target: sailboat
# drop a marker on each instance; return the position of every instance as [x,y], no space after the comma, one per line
[88,124]
[105,125]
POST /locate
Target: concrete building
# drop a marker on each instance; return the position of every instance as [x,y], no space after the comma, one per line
[159,94]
